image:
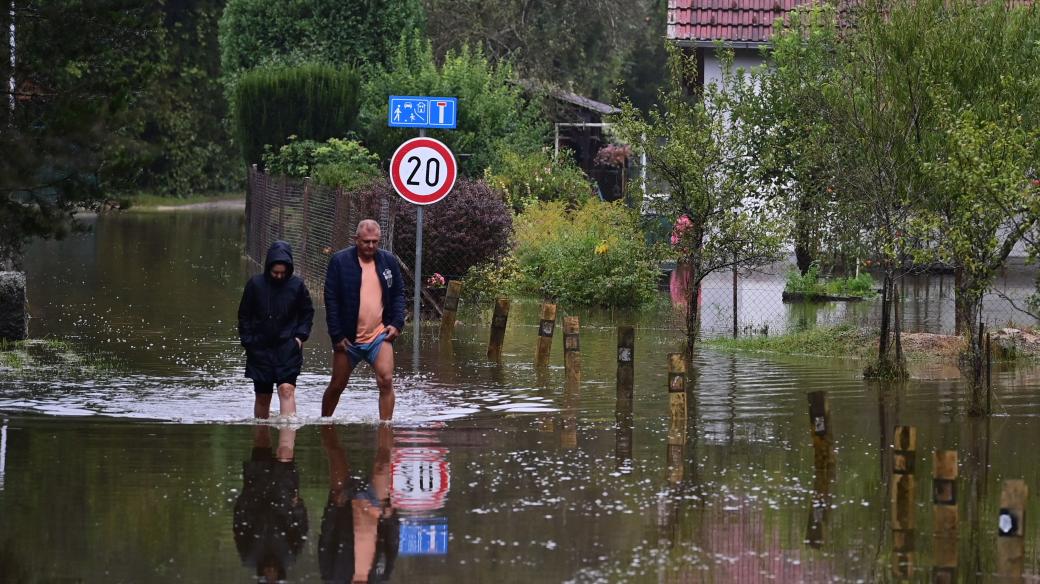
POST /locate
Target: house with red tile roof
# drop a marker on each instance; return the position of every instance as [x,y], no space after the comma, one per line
[742,25]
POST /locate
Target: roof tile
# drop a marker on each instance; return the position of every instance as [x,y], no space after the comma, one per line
[726,20]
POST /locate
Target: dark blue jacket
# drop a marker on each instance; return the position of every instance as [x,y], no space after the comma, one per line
[271,316]
[343,292]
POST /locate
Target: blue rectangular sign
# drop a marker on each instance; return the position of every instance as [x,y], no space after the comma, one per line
[424,536]
[422,112]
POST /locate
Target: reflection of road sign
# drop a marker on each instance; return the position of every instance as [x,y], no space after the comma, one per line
[423,536]
[422,112]
[422,170]
[420,478]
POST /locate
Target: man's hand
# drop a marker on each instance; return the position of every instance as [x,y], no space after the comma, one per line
[391,333]
[341,346]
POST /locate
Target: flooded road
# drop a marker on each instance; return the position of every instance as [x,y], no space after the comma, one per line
[131,456]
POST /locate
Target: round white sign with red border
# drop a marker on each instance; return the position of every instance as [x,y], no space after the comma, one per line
[423,170]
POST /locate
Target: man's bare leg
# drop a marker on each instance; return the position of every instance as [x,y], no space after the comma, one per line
[287,399]
[262,406]
[340,376]
[384,369]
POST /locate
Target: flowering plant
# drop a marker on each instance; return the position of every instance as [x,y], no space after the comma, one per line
[682,225]
[435,281]
[613,155]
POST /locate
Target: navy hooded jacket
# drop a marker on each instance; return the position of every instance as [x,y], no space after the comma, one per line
[271,316]
[343,292]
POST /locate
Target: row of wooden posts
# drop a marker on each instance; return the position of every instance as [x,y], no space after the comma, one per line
[1011,519]
[626,335]
[945,516]
[546,330]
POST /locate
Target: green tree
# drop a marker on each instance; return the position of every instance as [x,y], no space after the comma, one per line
[186,147]
[494,116]
[982,122]
[930,120]
[256,33]
[697,155]
[795,139]
[71,137]
[871,151]
[582,45]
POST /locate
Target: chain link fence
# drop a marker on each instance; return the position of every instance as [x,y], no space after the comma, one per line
[316,220]
[927,303]
[319,220]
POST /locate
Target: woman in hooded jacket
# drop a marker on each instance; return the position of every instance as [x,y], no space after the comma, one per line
[274,320]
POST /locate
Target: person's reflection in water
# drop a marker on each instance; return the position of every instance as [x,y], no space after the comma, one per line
[270,520]
[360,531]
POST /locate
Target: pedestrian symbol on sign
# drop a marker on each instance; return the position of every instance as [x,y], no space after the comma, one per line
[422,112]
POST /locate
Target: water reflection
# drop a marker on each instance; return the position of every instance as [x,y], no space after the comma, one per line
[270,518]
[360,529]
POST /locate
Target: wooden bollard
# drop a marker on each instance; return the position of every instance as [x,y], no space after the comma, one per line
[677,395]
[626,341]
[546,328]
[1011,528]
[569,419]
[945,516]
[451,306]
[623,435]
[904,454]
[823,466]
[498,328]
[677,416]
[820,427]
[571,349]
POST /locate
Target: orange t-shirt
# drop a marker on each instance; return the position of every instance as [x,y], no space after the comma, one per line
[370,312]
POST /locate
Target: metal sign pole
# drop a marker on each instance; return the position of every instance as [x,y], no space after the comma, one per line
[418,270]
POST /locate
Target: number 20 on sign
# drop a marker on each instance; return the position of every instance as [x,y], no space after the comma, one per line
[423,170]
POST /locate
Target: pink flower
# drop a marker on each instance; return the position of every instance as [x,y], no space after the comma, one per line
[435,281]
[681,226]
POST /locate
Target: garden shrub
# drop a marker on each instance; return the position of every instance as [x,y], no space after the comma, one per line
[470,226]
[528,178]
[335,162]
[491,279]
[811,284]
[593,255]
[311,102]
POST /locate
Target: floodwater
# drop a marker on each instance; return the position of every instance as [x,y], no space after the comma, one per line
[127,455]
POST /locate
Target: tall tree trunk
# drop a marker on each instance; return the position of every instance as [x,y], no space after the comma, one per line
[961,311]
[898,322]
[971,360]
[886,303]
[693,316]
[806,241]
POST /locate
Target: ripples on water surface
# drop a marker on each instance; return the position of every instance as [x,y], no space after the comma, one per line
[127,455]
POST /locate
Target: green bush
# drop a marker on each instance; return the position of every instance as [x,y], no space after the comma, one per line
[335,162]
[490,279]
[529,178]
[594,255]
[470,226]
[312,102]
[811,284]
[493,117]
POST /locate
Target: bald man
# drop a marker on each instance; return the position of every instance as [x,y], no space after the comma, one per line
[364,310]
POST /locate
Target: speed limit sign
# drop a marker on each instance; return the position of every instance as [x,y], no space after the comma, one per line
[423,170]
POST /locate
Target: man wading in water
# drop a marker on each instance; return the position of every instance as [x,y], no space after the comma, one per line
[364,310]
[274,320]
